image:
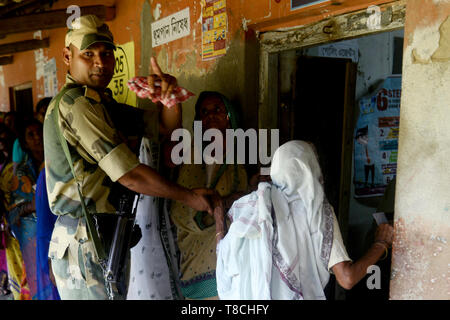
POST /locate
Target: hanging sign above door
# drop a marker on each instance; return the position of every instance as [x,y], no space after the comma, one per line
[297,4]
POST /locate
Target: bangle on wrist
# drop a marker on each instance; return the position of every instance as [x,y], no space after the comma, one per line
[385,253]
[382,242]
[385,246]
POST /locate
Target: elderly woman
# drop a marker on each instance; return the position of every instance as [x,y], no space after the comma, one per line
[196,231]
[284,240]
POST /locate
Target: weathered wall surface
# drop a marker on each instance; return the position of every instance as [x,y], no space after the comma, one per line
[234,75]
[276,14]
[421,251]
[125,28]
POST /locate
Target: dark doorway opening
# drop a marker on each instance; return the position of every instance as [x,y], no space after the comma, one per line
[320,110]
[21,100]
[319,115]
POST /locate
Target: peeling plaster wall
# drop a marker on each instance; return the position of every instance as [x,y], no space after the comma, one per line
[125,27]
[234,75]
[421,252]
[270,14]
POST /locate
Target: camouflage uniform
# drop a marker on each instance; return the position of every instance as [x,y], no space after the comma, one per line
[100,157]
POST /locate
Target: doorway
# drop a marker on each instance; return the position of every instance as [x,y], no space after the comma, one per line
[319,105]
[21,100]
[329,78]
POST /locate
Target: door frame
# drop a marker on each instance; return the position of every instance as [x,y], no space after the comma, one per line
[342,27]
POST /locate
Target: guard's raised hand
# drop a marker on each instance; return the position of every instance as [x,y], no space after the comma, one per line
[167,82]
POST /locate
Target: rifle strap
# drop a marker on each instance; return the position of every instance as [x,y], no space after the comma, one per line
[92,231]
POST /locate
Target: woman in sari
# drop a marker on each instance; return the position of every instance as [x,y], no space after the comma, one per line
[284,240]
[196,231]
[46,288]
[4,286]
[22,210]
[4,155]
[152,275]
[16,271]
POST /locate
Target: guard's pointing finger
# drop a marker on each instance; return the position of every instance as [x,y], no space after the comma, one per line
[151,84]
[155,67]
[164,86]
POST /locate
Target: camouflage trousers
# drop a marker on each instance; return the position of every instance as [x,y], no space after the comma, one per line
[75,265]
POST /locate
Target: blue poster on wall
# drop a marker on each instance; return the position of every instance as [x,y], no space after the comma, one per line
[297,4]
[376,139]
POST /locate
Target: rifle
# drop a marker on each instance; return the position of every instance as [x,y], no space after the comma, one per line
[123,239]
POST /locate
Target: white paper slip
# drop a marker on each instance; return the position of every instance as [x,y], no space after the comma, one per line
[380,218]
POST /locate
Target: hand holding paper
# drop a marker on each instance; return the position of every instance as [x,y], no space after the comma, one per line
[159,86]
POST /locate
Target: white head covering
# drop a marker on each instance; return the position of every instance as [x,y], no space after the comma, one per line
[304,218]
[296,172]
[279,243]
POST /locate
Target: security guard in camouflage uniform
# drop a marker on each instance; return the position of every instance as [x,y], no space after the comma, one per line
[100,157]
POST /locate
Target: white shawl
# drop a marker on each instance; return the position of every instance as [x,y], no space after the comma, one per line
[284,253]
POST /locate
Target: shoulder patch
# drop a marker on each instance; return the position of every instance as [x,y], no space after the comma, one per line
[92,94]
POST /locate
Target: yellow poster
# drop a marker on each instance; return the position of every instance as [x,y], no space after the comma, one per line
[124,70]
[209,12]
[214,28]
[208,37]
[219,34]
[220,20]
[219,4]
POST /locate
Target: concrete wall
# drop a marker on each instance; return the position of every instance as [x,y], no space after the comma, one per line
[421,251]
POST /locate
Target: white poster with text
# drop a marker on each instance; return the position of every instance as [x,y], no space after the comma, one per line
[171,28]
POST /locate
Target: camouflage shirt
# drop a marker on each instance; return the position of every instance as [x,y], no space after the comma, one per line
[98,150]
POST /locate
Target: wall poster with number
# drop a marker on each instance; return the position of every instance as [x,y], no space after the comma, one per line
[123,71]
[376,139]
